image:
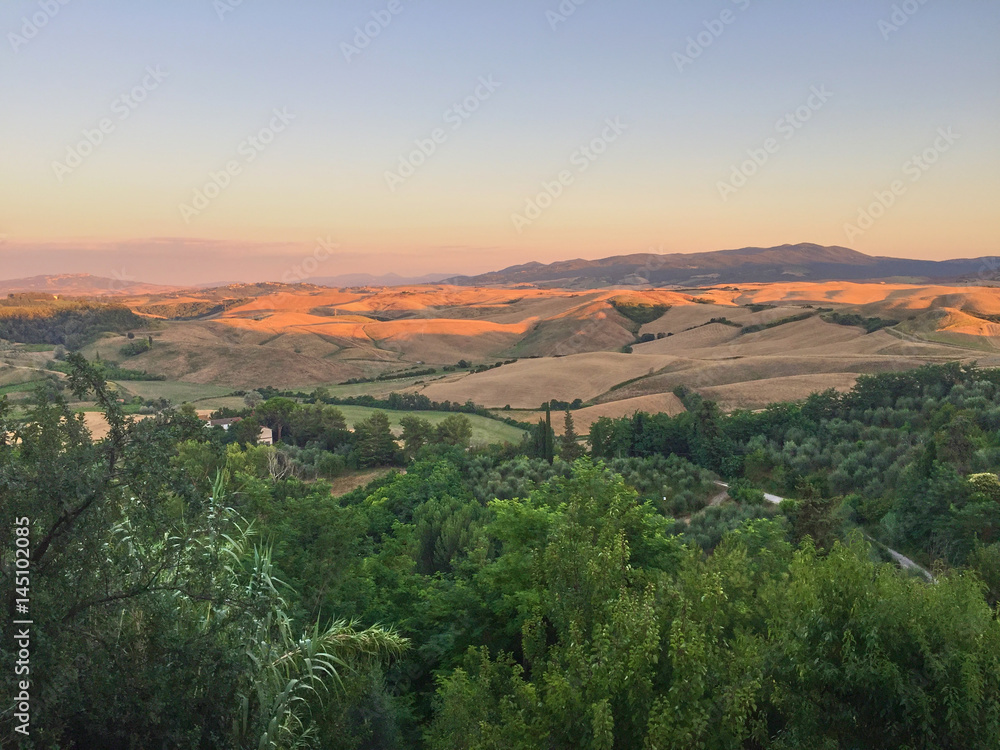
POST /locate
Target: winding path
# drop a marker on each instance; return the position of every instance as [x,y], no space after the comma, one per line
[903,561]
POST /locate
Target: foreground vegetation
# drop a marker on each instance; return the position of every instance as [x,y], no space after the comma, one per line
[189,590]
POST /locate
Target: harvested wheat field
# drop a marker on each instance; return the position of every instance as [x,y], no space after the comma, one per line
[757,394]
[97,425]
[529,383]
[702,374]
[211,353]
[659,403]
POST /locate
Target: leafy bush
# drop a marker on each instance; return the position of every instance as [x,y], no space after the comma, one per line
[852,319]
[640,313]
[134,348]
[756,328]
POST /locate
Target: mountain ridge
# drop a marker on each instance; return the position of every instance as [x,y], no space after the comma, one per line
[800,262]
[81,284]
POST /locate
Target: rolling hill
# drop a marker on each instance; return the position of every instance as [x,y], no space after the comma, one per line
[744,345]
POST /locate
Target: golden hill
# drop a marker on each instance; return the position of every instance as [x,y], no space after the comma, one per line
[570,342]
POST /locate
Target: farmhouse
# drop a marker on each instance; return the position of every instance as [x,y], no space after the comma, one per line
[265,437]
[224,423]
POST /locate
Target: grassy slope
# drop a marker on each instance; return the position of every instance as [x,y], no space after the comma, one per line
[484,431]
[177,393]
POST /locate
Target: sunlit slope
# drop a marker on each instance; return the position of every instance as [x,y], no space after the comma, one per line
[570,343]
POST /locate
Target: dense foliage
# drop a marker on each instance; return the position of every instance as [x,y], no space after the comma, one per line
[392,402]
[853,319]
[897,454]
[757,327]
[190,591]
[110,371]
[44,319]
[640,313]
[191,310]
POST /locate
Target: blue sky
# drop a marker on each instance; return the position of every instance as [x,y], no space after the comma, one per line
[657,186]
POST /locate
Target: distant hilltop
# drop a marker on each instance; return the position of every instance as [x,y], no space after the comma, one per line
[803,262]
[81,285]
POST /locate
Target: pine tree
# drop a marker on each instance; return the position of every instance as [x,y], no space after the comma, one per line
[376,445]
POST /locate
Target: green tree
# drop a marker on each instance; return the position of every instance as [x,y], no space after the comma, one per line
[276,413]
[455,429]
[569,446]
[246,431]
[163,623]
[375,443]
[318,426]
[417,433]
[860,655]
[549,436]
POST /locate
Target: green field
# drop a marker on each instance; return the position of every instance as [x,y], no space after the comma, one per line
[220,402]
[176,393]
[25,387]
[484,431]
[381,388]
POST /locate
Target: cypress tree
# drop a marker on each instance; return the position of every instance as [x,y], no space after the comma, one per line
[569,448]
[550,447]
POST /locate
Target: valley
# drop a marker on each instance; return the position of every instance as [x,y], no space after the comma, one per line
[610,350]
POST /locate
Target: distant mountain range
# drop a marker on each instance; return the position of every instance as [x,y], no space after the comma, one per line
[804,262]
[81,285]
[85,285]
[367,279]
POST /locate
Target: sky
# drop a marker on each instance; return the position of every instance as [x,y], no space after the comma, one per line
[197,141]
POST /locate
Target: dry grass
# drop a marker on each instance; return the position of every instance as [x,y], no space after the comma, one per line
[759,393]
[658,403]
[97,425]
[300,338]
[485,431]
[531,382]
[356,479]
[702,374]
